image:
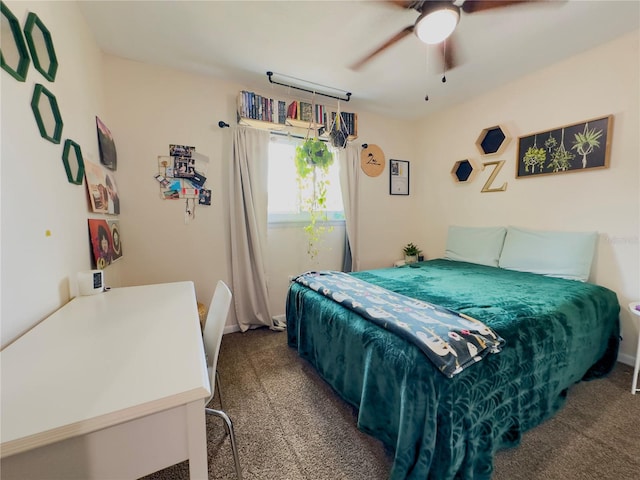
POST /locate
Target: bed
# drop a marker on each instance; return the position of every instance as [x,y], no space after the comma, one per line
[556,332]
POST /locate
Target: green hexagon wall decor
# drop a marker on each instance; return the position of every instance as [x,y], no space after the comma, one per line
[45,109]
[14,56]
[73,162]
[41,47]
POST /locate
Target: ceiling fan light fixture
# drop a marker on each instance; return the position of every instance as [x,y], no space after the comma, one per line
[436,26]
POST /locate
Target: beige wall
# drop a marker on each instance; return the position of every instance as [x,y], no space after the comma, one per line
[600,82]
[36,196]
[151,107]
[148,108]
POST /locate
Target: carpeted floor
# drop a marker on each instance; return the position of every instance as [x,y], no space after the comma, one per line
[290,425]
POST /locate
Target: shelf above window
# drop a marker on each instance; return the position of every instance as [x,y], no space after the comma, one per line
[291,125]
[278,115]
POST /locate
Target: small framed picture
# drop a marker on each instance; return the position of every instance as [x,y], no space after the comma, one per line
[205,197]
[398,177]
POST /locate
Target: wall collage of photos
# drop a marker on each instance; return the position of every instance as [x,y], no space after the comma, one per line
[182,175]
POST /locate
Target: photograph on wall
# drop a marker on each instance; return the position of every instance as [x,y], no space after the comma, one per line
[106,244]
[181,150]
[201,163]
[184,167]
[572,148]
[102,189]
[107,146]
[204,197]
[169,187]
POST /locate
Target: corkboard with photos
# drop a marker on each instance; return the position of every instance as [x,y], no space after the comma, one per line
[182,175]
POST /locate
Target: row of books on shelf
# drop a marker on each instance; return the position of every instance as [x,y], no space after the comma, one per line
[256,107]
[307,112]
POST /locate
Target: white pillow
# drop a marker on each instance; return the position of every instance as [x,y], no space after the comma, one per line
[556,254]
[480,245]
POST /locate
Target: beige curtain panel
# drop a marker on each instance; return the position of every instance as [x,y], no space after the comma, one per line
[248,211]
[349,159]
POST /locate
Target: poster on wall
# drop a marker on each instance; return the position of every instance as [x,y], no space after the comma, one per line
[102,188]
[106,244]
[107,146]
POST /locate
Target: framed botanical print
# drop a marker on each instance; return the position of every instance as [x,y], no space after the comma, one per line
[571,148]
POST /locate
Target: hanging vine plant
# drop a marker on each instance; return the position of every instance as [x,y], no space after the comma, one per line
[313,160]
[312,154]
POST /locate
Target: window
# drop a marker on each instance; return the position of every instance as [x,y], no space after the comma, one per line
[284,201]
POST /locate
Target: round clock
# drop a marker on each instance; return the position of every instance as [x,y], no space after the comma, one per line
[372,160]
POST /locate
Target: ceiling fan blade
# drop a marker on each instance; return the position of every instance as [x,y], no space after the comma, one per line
[397,37]
[403,3]
[472,6]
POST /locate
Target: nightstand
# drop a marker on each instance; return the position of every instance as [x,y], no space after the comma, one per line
[634,385]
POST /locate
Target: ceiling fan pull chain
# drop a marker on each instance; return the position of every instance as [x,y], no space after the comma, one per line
[444,57]
[426,58]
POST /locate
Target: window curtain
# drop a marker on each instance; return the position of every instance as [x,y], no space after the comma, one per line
[248,210]
[349,159]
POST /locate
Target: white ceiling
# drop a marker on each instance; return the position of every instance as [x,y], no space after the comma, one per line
[318,40]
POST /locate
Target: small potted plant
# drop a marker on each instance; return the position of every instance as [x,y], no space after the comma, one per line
[411,253]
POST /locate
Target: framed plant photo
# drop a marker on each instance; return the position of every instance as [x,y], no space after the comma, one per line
[572,148]
[398,177]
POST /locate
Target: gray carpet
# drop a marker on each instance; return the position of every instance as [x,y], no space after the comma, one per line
[290,425]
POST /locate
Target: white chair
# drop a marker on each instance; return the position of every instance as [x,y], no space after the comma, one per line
[213,329]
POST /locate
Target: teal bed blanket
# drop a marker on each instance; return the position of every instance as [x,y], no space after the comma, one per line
[556,332]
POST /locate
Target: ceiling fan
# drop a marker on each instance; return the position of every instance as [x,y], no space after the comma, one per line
[437,21]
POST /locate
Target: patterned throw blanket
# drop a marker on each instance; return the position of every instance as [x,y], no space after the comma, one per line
[451,340]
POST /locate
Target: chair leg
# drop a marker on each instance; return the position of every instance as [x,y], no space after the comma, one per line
[219,390]
[232,437]
[226,427]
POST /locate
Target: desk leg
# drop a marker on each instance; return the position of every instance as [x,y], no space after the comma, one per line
[197,440]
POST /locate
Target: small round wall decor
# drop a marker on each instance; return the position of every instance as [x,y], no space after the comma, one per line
[372,160]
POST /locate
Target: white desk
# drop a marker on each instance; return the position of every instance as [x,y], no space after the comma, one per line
[110,386]
[634,384]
